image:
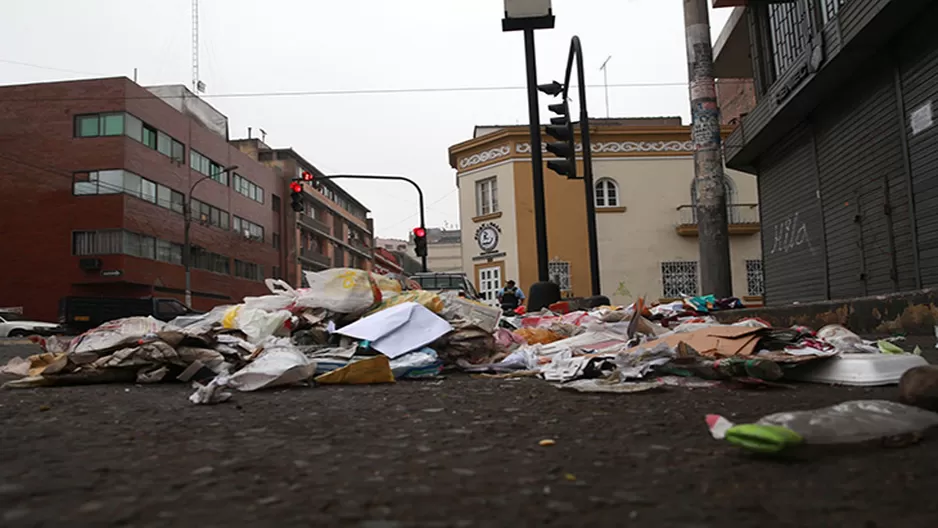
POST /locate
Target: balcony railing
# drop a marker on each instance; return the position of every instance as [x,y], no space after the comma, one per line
[743,219]
[314,224]
[314,257]
[360,246]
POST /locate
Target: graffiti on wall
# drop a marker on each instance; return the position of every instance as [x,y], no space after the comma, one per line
[789,235]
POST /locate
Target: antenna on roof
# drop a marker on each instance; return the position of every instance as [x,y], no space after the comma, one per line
[197,85]
[263,135]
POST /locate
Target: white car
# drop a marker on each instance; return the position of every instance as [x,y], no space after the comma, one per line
[13,325]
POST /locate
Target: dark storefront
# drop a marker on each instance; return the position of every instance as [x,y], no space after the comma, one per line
[843,142]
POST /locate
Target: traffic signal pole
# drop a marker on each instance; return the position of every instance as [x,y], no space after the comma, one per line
[423,224]
[537,160]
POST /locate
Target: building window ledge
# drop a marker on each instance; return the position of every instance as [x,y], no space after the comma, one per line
[610,209]
[485,218]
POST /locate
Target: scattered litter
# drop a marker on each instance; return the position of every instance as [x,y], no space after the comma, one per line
[399,329]
[547,442]
[861,370]
[845,423]
[613,386]
[373,370]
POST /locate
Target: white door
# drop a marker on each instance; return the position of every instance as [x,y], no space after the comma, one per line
[490,280]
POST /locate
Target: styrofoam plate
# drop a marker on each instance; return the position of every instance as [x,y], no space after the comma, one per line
[860,370]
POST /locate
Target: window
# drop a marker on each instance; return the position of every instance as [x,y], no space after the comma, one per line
[559,273]
[755,282]
[168,252]
[248,270]
[112,124]
[139,245]
[164,144]
[205,166]
[134,127]
[121,181]
[97,242]
[87,126]
[679,278]
[206,260]
[486,196]
[208,214]
[607,193]
[275,203]
[247,228]
[179,152]
[786,22]
[276,240]
[247,188]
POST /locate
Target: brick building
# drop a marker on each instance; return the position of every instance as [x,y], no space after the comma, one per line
[333,231]
[93,179]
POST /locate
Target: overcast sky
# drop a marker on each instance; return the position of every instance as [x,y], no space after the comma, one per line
[254,47]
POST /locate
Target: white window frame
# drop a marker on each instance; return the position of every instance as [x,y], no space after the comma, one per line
[487,196]
[490,281]
[559,273]
[601,193]
[679,278]
[755,278]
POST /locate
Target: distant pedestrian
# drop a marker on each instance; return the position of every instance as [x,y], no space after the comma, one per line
[510,297]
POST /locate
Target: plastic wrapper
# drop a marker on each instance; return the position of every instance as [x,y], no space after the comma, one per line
[845,341]
[116,334]
[341,290]
[845,423]
[419,364]
[427,299]
[538,336]
[256,324]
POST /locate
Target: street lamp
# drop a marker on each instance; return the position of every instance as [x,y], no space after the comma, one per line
[187,219]
[526,16]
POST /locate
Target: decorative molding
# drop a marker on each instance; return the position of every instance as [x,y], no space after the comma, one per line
[490,216]
[624,146]
[484,156]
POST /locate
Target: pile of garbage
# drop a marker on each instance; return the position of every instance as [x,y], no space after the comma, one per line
[353,327]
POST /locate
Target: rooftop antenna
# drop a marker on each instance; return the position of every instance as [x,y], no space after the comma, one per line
[263,135]
[606,84]
[197,85]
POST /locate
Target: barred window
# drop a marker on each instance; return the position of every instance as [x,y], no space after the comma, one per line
[679,278]
[830,8]
[755,283]
[559,273]
[786,22]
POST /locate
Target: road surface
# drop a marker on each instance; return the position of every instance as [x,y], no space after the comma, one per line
[456,452]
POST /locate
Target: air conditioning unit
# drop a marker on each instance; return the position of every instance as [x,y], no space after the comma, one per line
[90,264]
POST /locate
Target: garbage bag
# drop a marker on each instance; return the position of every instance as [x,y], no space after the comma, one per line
[341,290]
[280,363]
[423,363]
[845,341]
[427,299]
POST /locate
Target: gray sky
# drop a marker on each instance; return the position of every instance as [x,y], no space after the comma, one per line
[249,46]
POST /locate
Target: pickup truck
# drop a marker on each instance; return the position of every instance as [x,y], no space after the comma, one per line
[80,314]
[447,281]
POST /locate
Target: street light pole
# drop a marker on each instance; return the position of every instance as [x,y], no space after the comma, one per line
[187,219]
[606,83]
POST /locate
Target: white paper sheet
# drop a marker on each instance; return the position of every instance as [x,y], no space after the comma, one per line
[399,329]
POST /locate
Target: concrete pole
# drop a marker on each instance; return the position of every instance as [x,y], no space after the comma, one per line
[711,211]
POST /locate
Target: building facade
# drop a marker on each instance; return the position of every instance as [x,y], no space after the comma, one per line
[646,224]
[842,140]
[94,176]
[333,230]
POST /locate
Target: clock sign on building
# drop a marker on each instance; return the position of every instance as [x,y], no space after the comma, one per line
[487,237]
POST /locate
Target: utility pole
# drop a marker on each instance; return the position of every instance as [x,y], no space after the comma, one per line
[187,226]
[711,211]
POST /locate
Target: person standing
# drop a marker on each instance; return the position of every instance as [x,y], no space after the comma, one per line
[510,297]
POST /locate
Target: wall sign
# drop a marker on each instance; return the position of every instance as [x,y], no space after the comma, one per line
[921,119]
[487,236]
[112,273]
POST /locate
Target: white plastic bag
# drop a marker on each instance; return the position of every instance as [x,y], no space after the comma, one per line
[258,324]
[269,303]
[341,290]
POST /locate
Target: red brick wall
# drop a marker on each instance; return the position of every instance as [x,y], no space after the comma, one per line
[38,212]
[736,98]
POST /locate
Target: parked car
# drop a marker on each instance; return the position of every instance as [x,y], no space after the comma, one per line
[447,281]
[15,325]
[80,314]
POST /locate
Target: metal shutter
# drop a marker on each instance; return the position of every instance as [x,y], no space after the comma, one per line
[792,243]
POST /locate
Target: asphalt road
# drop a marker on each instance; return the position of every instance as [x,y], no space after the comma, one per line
[456,452]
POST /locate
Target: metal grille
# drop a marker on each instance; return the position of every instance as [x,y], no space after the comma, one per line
[560,274]
[755,284]
[785,23]
[830,8]
[679,278]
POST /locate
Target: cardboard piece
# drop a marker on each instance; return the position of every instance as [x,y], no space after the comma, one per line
[372,370]
[718,341]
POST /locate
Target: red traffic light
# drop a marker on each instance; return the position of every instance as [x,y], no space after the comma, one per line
[307,176]
[296,187]
[420,232]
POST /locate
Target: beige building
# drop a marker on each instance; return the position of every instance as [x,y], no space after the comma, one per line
[646,225]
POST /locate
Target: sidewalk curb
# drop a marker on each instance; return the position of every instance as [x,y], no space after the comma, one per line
[13,341]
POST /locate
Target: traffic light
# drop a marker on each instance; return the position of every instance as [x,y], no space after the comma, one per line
[420,241]
[561,129]
[296,196]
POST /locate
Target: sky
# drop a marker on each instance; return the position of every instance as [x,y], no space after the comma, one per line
[252,53]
